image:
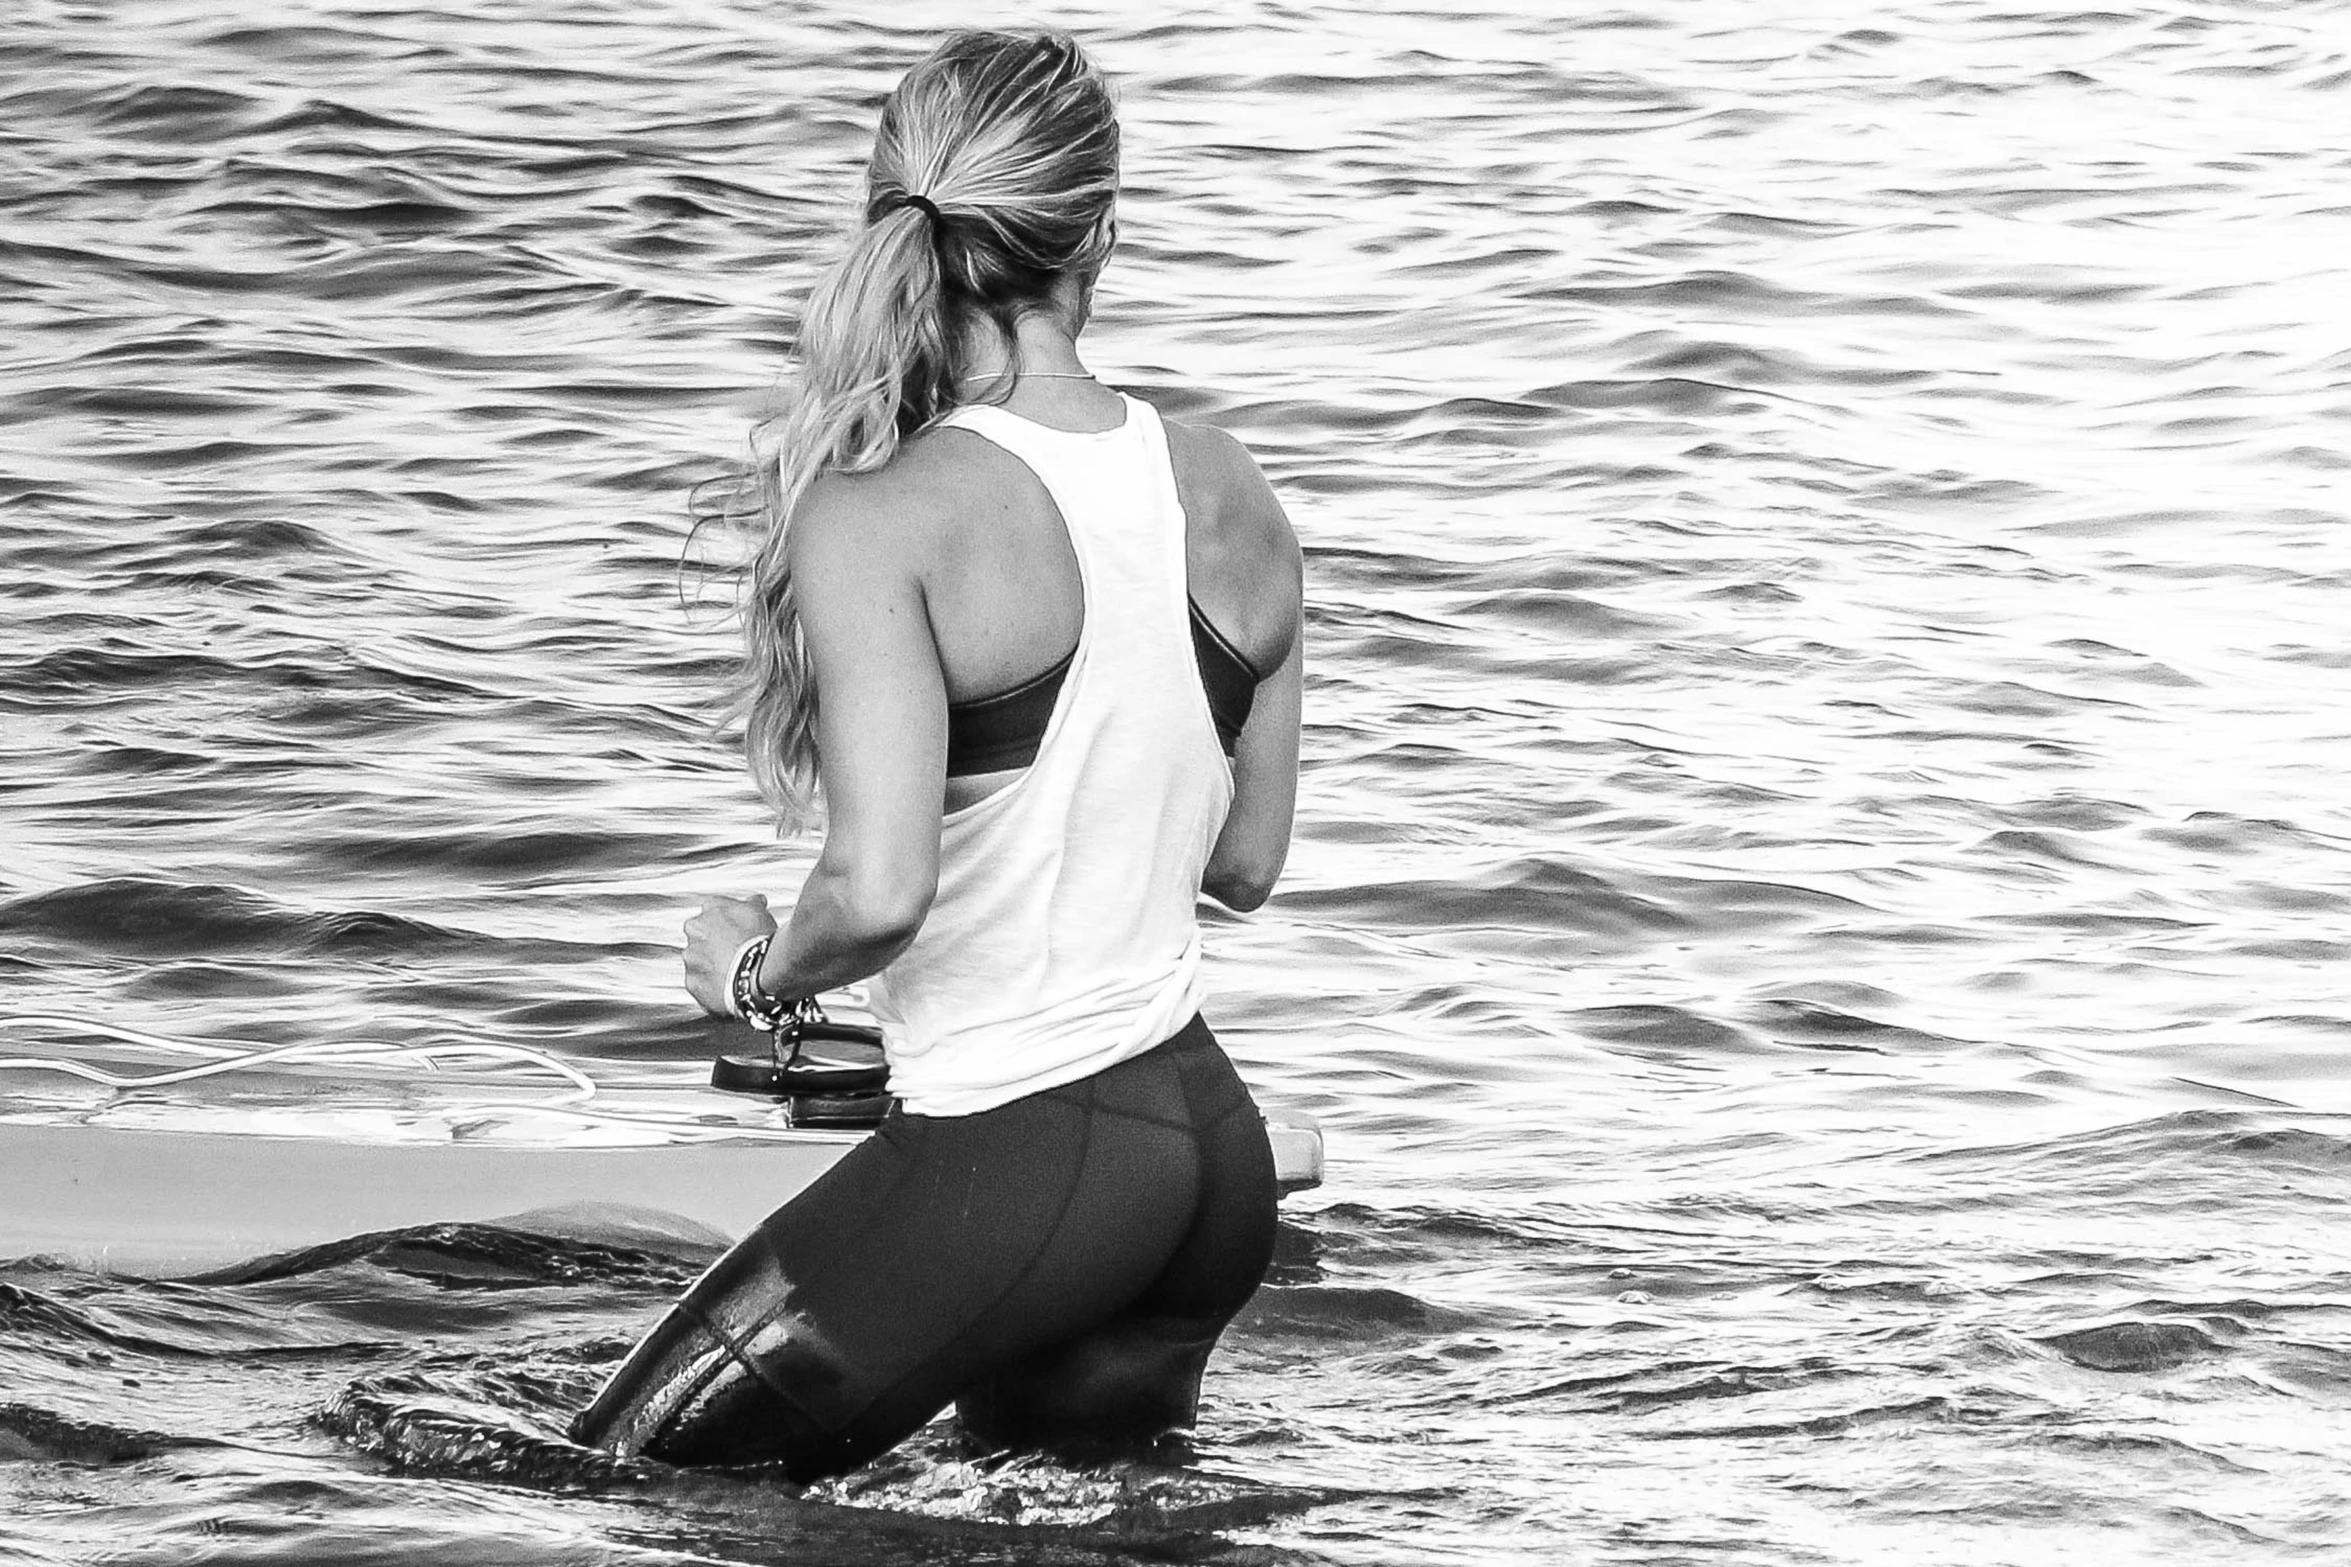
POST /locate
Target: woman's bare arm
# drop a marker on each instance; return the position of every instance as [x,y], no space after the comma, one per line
[1259,547]
[1255,842]
[881,727]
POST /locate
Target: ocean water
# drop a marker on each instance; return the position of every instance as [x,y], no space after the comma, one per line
[1817,933]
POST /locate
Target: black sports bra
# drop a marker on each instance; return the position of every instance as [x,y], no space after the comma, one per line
[993,733]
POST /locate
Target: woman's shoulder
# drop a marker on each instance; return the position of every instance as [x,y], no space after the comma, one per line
[929,467]
[1241,557]
[929,484]
[1224,491]
[1215,459]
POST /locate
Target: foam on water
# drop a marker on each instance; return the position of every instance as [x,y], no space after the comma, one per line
[1821,870]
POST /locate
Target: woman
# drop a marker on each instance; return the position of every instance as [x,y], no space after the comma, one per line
[969,625]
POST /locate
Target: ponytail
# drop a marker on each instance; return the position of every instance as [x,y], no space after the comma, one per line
[874,333]
[1012,147]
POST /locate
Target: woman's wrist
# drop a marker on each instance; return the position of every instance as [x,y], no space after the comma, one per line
[747,997]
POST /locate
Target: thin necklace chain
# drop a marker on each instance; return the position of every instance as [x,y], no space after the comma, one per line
[1036,375]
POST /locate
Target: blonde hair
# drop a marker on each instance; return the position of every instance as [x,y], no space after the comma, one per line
[1010,142]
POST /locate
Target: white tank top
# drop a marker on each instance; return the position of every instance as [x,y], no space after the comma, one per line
[1064,937]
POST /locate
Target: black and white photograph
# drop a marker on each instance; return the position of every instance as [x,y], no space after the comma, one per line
[1306,784]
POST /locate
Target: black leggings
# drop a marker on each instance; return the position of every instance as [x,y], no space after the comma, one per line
[1059,1267]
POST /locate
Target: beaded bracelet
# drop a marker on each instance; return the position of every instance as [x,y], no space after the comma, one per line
[754,1006]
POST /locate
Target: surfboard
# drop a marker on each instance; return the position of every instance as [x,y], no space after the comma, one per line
[184,1179]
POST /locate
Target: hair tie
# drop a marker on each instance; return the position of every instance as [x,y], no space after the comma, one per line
[921,204]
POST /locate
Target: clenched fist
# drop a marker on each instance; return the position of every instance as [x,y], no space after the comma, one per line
[713,937]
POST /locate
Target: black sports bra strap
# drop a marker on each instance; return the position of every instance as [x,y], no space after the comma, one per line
[994,734]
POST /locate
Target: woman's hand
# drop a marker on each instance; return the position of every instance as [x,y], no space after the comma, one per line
[713,937]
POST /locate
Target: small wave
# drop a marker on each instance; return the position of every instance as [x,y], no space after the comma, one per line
[391,273]
[2191,1146]
[1673,354]
[149,401]
[2014,699]
[2098,922]
[2239,1310]
[2121,664]
[1661,1384]
[180,114]
[1930,1407]
[1706,289]
[2106,1446]
[1833,1028]
[2075,813]
[2222,832]
[461,1425]
[1346,1313]
[1836,1286]
[1768,594]
[2313,657]
[315,113]
[493,850]
[1140,1510]
[1356,1230]
[120,761]
[180,1321]
[410,1434]
[41,1316]
[1552,612]
[1546,573]
[1532,893]
[1745,904]
[29,1434]
[1669,1028]
[399,216]
[2048,847]
[169,919]
[2134,1344]
[147,457]
[471,1256]
[72,673]
[1663,394]
[309,43]
[2288,1147]
[253,538]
